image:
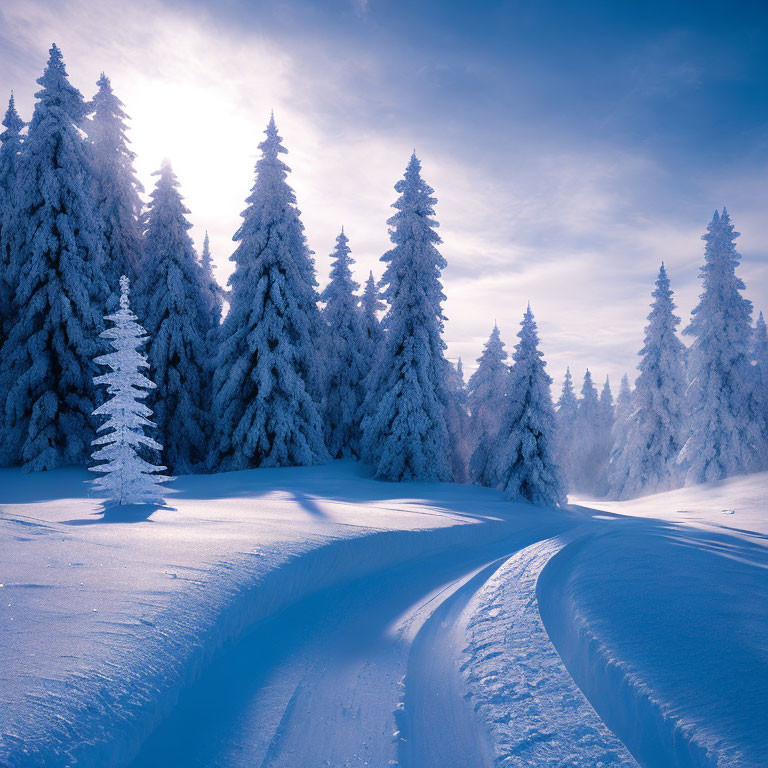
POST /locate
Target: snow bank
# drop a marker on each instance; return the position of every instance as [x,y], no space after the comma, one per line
[104,620]
[662,623]
[518,684]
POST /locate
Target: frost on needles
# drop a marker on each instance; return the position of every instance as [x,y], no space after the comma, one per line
[126,477]
[267,375]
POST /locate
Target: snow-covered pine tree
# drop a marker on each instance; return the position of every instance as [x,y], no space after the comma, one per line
[370,306]
[725,435]
[524,450]
[10,153]
[117,190]
[488,386]
[458,422]
[405,434]
[605,433]
[267,366]
[173,304]
[621,414]
[46,363]
[126,477]
[345,362]
[760,356]
[646,463]
[588,456]
[214,292]
[567,413]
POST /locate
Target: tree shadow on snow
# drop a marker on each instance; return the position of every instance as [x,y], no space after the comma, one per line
[116,513]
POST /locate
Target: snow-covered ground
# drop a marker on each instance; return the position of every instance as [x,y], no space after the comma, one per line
[317,617]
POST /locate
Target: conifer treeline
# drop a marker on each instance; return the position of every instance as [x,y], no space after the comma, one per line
[281,381]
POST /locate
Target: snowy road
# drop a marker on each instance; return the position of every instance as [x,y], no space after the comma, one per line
[332,680]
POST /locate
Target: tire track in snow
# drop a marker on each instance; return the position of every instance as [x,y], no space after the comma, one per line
[517,683]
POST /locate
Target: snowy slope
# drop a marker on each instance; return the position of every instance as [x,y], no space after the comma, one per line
[105,620]
[662,620]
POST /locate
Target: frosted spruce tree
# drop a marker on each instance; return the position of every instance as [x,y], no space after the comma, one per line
[267,367]
[405,433]
[345,358]
[622,412]
[46,363]
[458,421]
[10,154]
[524,451]
[214,292]
[646,462]
[760,356]
[588,455]
[173,304]
[488,387]
[567,414]
[117,190]
[370,306]
[725,435]
[126,478]
[605,434]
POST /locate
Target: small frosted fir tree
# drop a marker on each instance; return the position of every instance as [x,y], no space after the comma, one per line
[488,387]
[405,433]
[345,360]
[370,305]
[646,463]
[524,451]
[725,435]
[126,477]
[567,413]
[173,304]
[266,373]
[10,153]
[46,364]
[458,421]
[117,190]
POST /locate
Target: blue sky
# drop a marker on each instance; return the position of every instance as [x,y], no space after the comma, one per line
[572,146]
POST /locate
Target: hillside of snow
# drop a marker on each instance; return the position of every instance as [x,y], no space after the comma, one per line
[315,617]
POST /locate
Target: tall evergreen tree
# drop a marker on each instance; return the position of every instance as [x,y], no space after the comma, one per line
[588,455]
[370,306]
[10,154]
[173,305]
[213,291]
[760,356]
[46,363]
[646,462]
[405,434]
[524,451]
[346,363]
[126,477]
[488,386]
[567,413]
[605,433]
[267,366]
[117,190]
[622,412]
[725,435]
